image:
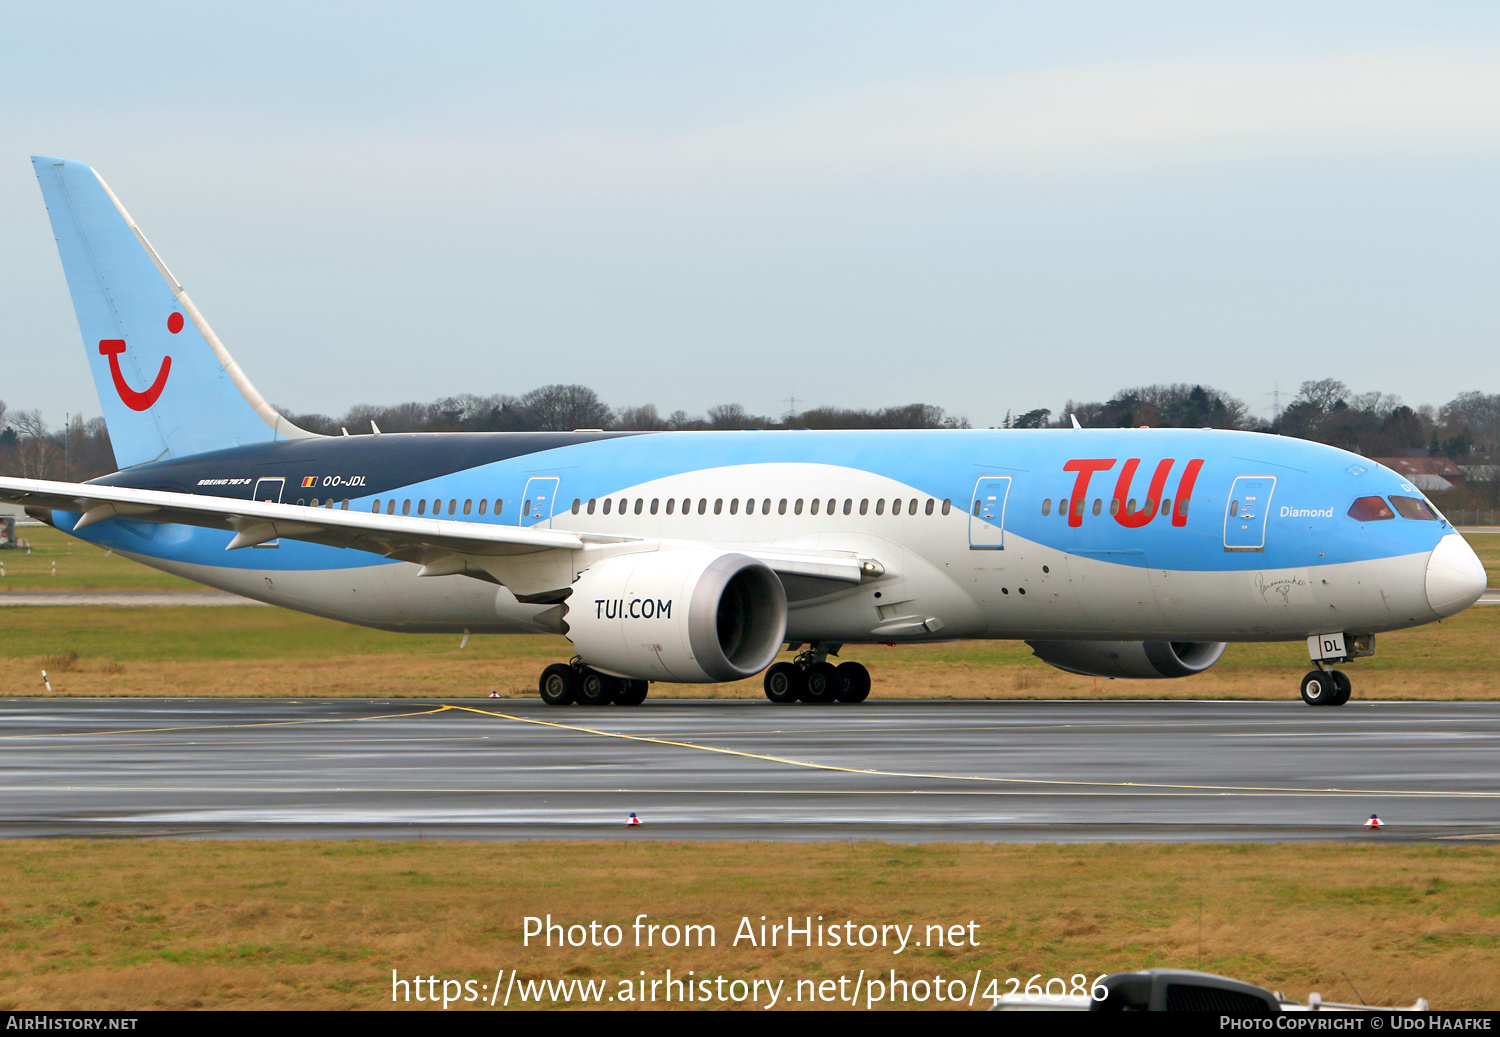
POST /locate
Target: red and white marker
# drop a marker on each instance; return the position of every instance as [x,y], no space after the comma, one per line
[494,694]
[1374,824]
[632,820]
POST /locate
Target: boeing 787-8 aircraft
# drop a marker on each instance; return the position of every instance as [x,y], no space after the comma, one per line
[694,556]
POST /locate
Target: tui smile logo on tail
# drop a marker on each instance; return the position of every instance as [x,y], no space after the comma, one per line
[113,347]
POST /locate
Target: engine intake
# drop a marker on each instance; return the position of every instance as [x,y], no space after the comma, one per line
[687,615]
[1138,660]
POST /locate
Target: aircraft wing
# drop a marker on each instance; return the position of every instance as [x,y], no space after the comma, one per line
[531,561]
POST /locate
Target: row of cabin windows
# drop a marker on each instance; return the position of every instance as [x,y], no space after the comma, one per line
[1149,505]
[751,505]
[437,506]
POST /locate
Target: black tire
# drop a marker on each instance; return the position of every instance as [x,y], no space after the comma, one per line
[821,683]
[558,685]
[783,683]
[596,689]
[633,693]
[1343,687]
[1318,688]
[856,682]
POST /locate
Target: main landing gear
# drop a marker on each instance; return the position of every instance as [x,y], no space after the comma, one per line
[563,684]
[812,678]
[1325,687]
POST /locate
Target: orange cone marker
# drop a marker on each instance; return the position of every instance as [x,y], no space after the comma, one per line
[632,820]
[1374,824]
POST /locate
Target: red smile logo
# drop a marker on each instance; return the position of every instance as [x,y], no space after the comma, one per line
[113,347]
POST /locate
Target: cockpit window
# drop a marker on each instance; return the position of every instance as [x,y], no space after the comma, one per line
[1413,508]
[1371,509]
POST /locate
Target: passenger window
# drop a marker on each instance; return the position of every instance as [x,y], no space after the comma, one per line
[1370,509]
[640,505]
[422,506]
[1114,505]
[687,505]
[609,503]
[654,502]
[375,508]
[765,506]
[813,508]
[734,506]
[671,505]
[453,506]
[947,505]
[848,505]
[719,506]
[864,506]
[1413,508]
[797,508]
[703,505]
[469,506]
[833,505]
[880,507]
[781,508]
[1046,507]
[1130,506]
[931,502]
[498,503]
[344,506]
[912,510]
[483,505]
[406,507]
[1098,505]
[1166,505]
[525,508]
[1234,507]
[624,503]
[577,506]
[589,509]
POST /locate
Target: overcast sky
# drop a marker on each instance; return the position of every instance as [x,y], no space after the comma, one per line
[986,206]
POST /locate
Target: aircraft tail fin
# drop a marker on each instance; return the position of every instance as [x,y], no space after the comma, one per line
[168,386]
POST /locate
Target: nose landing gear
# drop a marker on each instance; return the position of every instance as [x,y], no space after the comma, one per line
[1325,687]
[812,678]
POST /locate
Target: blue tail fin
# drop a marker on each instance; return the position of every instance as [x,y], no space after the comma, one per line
[168,386]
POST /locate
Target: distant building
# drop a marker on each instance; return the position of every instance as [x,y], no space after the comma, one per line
[1428,474]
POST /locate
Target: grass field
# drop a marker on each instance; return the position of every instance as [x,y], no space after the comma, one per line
[138,924]
[252,651]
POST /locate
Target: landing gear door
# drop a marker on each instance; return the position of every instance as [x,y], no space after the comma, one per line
[987,513]
[269,491]
[537,505]
[1245,514]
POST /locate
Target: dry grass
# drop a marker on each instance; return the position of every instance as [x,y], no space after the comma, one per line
[245,652]
[139,925]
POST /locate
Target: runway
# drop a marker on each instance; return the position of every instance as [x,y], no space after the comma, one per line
[900,771]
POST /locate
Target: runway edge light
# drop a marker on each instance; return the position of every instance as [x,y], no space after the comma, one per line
[632,820]
[1374,824]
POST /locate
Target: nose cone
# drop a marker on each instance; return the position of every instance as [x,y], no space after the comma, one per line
[1455,578]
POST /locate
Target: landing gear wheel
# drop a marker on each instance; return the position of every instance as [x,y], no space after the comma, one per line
[823,683]
[856,682]
[632,694]
[1342,687]
[596,689]
[1318,688]
[559,684]
[783,683]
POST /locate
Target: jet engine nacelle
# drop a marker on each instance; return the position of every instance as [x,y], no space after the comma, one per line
[1138,660]
[685,615]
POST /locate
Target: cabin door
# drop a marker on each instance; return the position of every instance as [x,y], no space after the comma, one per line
[987,513]
[1245,514]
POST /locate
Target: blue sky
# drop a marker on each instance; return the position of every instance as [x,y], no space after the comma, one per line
[988,207]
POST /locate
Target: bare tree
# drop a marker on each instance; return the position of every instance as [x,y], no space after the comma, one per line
[561,408]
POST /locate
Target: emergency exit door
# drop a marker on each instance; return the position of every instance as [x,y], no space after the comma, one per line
[269,491]
[536,506]
[987,513]
[1245,514]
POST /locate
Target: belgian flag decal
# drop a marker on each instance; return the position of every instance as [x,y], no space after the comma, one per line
[311,480]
